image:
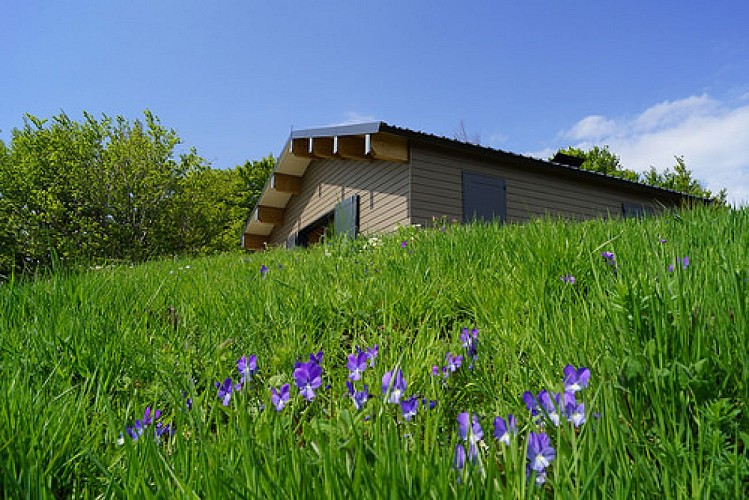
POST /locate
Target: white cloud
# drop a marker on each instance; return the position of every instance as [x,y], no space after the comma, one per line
[712,136]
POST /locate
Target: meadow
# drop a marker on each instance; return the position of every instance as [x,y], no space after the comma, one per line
[114,379]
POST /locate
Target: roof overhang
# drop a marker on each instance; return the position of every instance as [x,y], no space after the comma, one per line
[360,142]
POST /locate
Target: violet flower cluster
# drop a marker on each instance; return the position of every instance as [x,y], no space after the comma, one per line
[139,427]
[357,363]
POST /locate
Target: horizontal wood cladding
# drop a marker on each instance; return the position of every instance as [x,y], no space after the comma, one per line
[382,188]
[531,192]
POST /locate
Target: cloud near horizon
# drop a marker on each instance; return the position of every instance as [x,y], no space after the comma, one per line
[712,136]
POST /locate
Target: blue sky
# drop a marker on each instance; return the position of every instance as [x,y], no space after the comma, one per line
[650,79]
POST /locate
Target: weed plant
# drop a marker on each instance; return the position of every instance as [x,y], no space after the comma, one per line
[82,355]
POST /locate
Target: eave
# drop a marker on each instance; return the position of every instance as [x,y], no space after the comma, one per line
[363,142]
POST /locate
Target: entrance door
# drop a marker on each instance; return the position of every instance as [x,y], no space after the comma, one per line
[483,198]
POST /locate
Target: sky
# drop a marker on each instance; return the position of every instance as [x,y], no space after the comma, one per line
[650,79]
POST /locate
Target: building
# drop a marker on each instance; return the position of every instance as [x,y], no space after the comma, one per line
[371,177]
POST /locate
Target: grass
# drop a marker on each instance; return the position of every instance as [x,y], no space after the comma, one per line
[83,354]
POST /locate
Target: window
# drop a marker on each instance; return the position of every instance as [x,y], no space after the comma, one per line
[343,219]
[483,198]
[635,210]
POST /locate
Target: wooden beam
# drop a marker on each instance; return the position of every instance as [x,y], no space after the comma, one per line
[300,147]
[285,183]
[352,147]
[270,215]
[322,147]
[389,148]
[254,242]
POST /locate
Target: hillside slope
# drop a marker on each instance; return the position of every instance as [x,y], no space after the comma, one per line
[656,309]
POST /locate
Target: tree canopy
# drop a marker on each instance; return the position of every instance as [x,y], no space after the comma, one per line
[602,160]
[114,189]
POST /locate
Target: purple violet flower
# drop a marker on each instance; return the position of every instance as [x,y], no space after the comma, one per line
[609,256]
[357,363]
[503,428]
[409,407]
[531,403]
[429,404]
[549,402]
[225,390]
[372,353]
[540,453]
[393,386]
[470,430]
[360,397]
[308,377]
[470,341]
[453,362]
[568,278]
[247,367]
[575,379]
[575,413]
[136,430]
[404,243]
[263,270]
[684,264]
[435,371]
[459,458]
[279,398]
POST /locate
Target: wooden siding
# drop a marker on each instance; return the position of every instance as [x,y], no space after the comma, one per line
[531,192]
[382,188]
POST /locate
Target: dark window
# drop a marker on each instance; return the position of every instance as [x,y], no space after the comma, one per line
[343,219]
[635,210]
[483,198]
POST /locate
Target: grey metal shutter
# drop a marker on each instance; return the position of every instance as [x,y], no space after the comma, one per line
[483,198]
[346,217]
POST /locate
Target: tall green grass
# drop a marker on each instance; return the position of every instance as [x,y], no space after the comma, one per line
[82,355]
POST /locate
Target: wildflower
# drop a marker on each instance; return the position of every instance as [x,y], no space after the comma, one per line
[662,240]
[247,367]
[279,398]
[540,475]
[684,264]
[308,377]
[435,370]
[147,419]
[549,403]
[531,403]
[609,256]
[372,354]
[453,362]
[568,278]
[136,430]
[393,386]
[360,397]
[162,430]
[409,408]
[470,430]
[263,270]
[429,404]
[225,389]
[459,458]
[470,341]
[357,363]
[575,379]
[540,453]
[575,413]
[404,243]
[502,428]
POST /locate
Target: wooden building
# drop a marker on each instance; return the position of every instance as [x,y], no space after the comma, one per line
[371,177]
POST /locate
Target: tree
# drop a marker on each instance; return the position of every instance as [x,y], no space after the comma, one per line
[255,174]
[601,160]
[680,179]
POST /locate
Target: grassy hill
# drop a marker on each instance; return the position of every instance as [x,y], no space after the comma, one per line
[662,325]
